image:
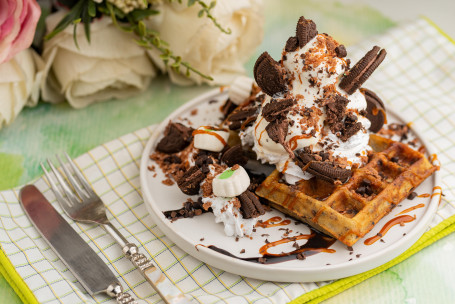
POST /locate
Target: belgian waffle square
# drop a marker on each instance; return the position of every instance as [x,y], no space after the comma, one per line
[344,211]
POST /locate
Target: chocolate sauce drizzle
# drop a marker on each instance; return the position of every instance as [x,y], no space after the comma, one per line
[317,243]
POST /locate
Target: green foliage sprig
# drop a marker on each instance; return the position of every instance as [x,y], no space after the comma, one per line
[84,11]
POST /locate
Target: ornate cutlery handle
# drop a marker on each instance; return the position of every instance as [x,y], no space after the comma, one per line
[116,291]
[165,288]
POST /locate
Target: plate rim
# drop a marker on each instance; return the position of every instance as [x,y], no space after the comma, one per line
[259,271]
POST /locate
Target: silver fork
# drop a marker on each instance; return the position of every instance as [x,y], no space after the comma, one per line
[82,204]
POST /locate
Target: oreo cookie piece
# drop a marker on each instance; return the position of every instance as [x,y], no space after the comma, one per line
[190,181]
[268,75]
[341,51]
[277,131]
[362,70]
[306,30]
[276,110]
[292,44]
[250,207]
[241,115]
[321,169]
[176,138]
[375,110]
[234,155]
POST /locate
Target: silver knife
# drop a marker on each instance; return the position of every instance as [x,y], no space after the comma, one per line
[83,262]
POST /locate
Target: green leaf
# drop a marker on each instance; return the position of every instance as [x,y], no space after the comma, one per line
[200,14]
[91,8]
[212,4]
[191,2]
[142,29]
[75,34]
[69,18]
[138,15]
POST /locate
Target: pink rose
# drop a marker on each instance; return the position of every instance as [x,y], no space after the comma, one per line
[18,19]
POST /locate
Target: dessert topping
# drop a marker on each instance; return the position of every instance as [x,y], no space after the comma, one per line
[250,205]
[176,138]
[240,89]
[234,155]
[375,110]
[362,70]
[269,75]
[190,181]
[231,182]
[210,138]
[306,30]
[321,166]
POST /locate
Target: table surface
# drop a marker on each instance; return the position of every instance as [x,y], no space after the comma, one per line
[45,130]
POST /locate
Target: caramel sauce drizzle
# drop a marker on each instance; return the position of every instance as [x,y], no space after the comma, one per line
[375,112]
[264,249]
[434,158]
[221,139]
[412,208]
[437,193]
[293,141]
[260,137]
[273,222]
[395,221]
[424,195]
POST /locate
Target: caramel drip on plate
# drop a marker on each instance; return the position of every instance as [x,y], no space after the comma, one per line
[433,159]
[437,193]
[273,222]
[221,139]
[395,221]
[293,141]
[424,195]
[412,208]
[314,245]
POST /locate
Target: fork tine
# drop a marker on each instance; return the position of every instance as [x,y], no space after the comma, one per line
[63,203]
[80,177]
[82,194]
[69,193]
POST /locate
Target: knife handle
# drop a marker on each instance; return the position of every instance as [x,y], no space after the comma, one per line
[162,285]
[115,290]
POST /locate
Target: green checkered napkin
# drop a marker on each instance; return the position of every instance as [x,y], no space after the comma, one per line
[417,79]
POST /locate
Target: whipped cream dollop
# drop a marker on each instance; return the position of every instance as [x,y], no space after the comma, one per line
[312,74]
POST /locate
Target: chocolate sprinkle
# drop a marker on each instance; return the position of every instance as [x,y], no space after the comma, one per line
[362,70]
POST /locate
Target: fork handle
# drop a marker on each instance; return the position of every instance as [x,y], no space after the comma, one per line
[162,285]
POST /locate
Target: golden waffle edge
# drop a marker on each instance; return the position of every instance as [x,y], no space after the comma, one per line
[340,211]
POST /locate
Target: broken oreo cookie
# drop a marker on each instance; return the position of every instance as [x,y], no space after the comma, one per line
[375,110]
[277,109]
[306,30]
[190,181]
[321,169]
[234,155]
[269,75]
[362,70]
[176,138]
[250,207]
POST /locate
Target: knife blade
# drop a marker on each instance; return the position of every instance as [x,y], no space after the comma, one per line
[83,262]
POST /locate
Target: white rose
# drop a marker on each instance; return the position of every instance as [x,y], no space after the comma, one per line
[112,65]
[18,85]
[199,42]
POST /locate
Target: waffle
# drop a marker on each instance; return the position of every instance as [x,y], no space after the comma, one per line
[345,211]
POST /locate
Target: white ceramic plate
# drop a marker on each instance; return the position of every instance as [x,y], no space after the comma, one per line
[187,233]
